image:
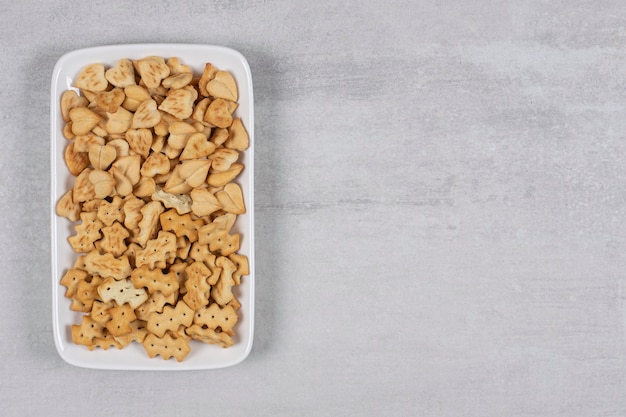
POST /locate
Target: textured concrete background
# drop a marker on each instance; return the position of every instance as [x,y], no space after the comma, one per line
[440,208]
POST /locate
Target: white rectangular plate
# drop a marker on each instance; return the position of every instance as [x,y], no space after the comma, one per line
[134,357]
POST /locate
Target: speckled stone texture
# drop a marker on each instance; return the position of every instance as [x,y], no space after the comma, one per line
[440,208]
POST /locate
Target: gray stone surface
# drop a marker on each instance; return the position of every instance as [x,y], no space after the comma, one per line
[440,208]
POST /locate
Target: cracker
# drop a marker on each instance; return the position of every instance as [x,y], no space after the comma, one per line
[87,331]
[221,292]
[166,346]
[215,317]
[210,336]
[137,333]
[183,225]
[170,319]
[121,318]
[113,239]
[197,285]
[122,292]
[110,212]
[159,252]
[107,265]
[71,279]
[100,311]
[155,280]
[155,302]
[86,294]
[148,225]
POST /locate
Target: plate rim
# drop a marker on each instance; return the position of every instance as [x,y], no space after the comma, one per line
[123,50]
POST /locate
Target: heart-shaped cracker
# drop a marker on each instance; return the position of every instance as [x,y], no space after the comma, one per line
[110,101]
[82,143]
[69,100]
[129,166]
[208,74]
[76,161]
[177,67]
[194,171]
[147,115]
[83,120]
[179,133]
[222,159]
[122,74]
[139,141]
[237,136]
[83,189]
[123,185]
[103,183]
[198,146]
[223,85]
[178,103]
[92,78]
[155,164]
[231,198]
[218,113]
[119,121]
[177,80]
[204,202]
[218,179]
[102,156]
[152,70]
[135,95]
[177,184]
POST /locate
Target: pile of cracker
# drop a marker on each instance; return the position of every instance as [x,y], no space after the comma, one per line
[154,152]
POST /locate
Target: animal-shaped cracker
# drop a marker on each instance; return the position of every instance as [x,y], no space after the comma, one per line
[122,292]
[170,319]
[243,267]
[222,290]
[121,318]
[86,294]
[166,346]
[215,317]
[206,335]
[109,212]
[87,232]
[154,280]
[107,265]
[67,208]
[216,235]
[155,302]
[105,342]
[138,333]
[149,222]
[180,202]
[183,225]
[113,239]
[87,331]
[100,311]
[158,252]
[198,288]
[71,279]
